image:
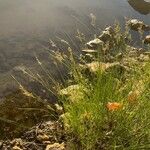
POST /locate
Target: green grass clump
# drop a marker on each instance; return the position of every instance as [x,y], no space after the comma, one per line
[111,114]
[113,111]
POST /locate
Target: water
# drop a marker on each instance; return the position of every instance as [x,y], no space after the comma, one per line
[26,26]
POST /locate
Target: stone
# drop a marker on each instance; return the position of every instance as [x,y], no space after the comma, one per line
[107,34]
[55,146]
[95,44]
[147,39]
[71,93]
[115,68]
[89,51]
[137,25]
[42,137]
[89,57]
[95,66]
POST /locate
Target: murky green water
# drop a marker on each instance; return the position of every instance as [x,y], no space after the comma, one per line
[26,26]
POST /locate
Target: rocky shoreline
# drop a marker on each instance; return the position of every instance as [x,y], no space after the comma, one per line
[50,135]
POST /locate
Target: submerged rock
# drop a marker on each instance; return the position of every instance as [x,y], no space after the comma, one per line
[137,25]
[147,39]
[95,44]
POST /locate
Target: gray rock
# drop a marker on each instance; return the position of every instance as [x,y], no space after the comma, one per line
[137,25]
[147,39]
[107,34]
[95,44]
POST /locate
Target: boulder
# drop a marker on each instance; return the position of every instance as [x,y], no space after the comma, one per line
[147,39]
[137,25]
[95,44]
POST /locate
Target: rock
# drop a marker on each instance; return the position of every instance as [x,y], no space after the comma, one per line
[95,66]
[115,68]
[88,57]
[16,148]
[137,25]
[107,34]
[55,146]
[95,44]
[147,39]
[89,51]
[42,137]
[89,54]
[71,92]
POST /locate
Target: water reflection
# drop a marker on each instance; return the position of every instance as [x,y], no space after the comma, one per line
[141,6]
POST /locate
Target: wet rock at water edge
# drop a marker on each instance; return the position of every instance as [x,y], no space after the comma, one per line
[147,39]
[137,25]
[107,35]
[95,44]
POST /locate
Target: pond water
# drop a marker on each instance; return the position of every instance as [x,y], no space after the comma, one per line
[26,25]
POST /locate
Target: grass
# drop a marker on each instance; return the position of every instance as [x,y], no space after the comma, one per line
[112,113]
[91,124]
[107,108]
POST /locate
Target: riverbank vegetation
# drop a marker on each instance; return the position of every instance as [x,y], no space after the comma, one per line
[104,102]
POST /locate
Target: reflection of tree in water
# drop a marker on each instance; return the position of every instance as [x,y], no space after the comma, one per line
[141,6]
